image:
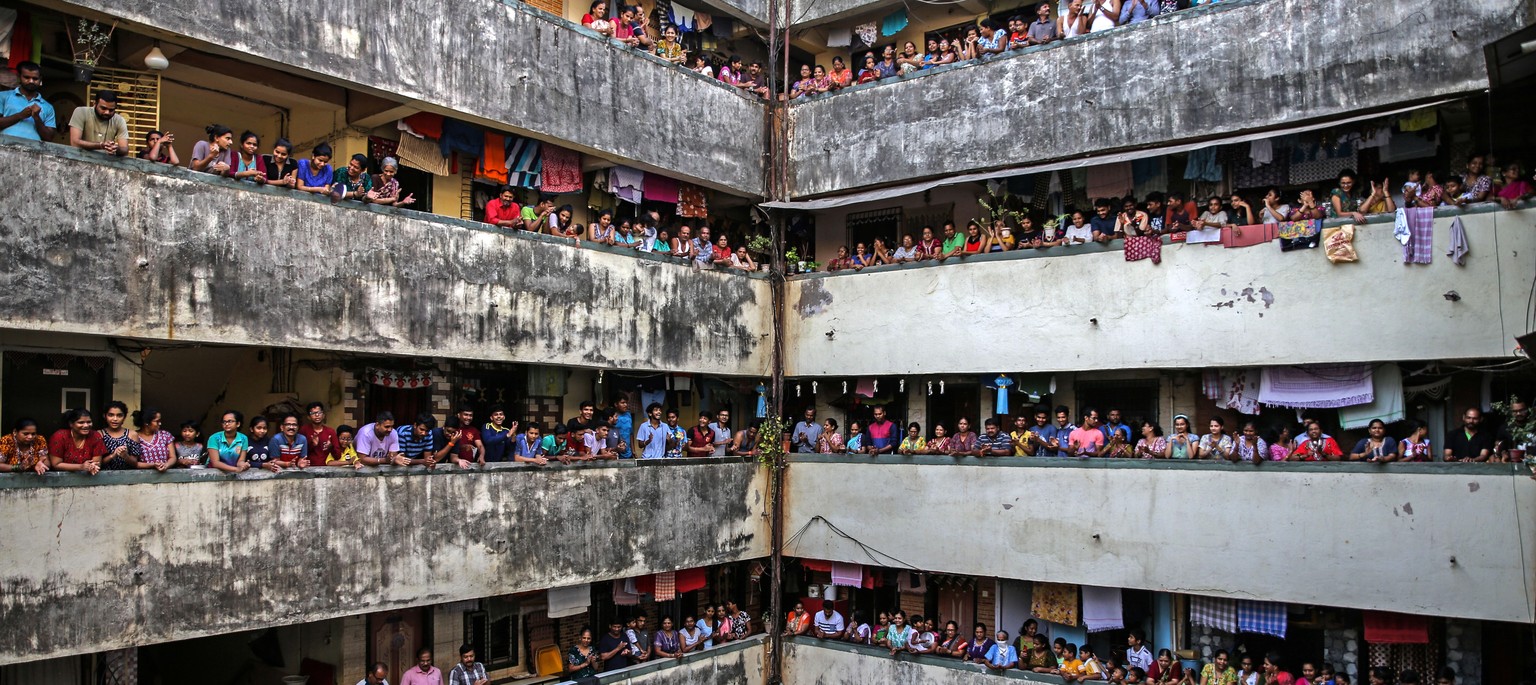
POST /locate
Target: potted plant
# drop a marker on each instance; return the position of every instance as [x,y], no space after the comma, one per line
[1520,430]
[88,42]
[798,264]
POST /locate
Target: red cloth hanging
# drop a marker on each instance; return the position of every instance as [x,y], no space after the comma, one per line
[816,565]
[691,579]
[21,40]
[646,585]
[1385,627]
[426,124]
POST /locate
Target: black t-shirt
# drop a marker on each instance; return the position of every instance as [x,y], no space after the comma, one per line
[1462,446]
[275,172]
[609,643]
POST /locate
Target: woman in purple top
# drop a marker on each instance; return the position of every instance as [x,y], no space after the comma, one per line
[980,644]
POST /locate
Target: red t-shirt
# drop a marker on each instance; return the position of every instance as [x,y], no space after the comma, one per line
[466,446]
[62,445]
[323,445]
[701,437]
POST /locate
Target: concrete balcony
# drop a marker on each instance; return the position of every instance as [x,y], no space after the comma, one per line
[741,663]
[1195,74]
[1100,312]
[167,254]
[135,558]
[1435,539]
[500,64]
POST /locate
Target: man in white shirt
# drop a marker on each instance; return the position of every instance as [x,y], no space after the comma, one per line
[829,623]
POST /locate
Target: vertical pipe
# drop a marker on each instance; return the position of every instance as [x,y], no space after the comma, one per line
[778,14]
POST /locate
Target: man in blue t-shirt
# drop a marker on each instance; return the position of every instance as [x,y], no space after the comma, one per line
[23,112]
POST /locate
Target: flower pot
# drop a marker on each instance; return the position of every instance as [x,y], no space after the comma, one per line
[84,72]
[1517,454]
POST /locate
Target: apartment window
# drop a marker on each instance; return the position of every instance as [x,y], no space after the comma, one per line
[495,631]
[864,227]
[1136,399]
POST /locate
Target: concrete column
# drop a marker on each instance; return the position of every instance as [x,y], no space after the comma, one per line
[1464,650]
[1341,647]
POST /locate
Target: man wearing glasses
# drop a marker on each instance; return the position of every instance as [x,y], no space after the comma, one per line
[100,127]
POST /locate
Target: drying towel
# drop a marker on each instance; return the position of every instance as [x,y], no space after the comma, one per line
[525,162]
[1459,246]
[1110,180]
[1138,247]
[562,170]
[847,575]
[1210,384]
[1328,386]
[422,154]
[704,21]
[1421,235]
[690,580]
[493,164]
[1298,235]
[1339,244]
[666,586]
[912,583]
[1055,602]
[1240,390]
[1101,609]
[839,38]
[626,182]
[464,138]
[1385,627]
[622,596]
[1247,236]
[894,22]
[867,34]
[816,565]
[683,18]
[1204,235]
[1400,227]
[1261,151]
[424,125]
[691,201]
[1213,612]
[569,601]
[659,188]
[1202,166]
[1387,384]
[1267,618]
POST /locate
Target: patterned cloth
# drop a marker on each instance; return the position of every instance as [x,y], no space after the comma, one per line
[1138,247]
[1240,391]
[1421,235]
[666,586]
[379,148]
[691,201]
[1213,612]
[422,154]
[25,456]
[1327,386]
[1298,235]
[1267,618]
[562,170]
[1055,602]
[525,162]
[1210,384]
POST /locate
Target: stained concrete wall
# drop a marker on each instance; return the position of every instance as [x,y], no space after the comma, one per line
[184,256]
[739,663]
[1198,73]
[1204,306]
[499,63]
[1413,538]
[110,561]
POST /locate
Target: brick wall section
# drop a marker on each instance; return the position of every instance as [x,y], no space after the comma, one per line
[352,406]
[986,602]
[354,645]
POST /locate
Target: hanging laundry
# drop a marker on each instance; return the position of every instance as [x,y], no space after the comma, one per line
[847,575]
[1102,609]
[493,164]
[1267,618]
[683,18]
[379,148]
[666,586]
[1315,163]
[690,580]
[20,48]
[1240,390]
[1261,151]
[1400,229]
[424,125]
[1386,628]
[562,170]
[1139,247]
[659,188]
[894,22]
[1055,602]
[839,38]
[625,183]
[867,34]
[1459,246]
[1326,386]
[865,387]
[1002,383]
[1377,137]
[1202,166]
[1149,174]
[525,162]
[1210,384]
[7,27]
[568,601]
[1387,384]
[1418,120]
[1421,235]
[1109,180]
[1213,612]
[704,21]
[624,593]
[1298,235]
[461,137]
[422,154]
[692,203]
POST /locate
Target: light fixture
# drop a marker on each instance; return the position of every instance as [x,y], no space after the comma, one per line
[156,59]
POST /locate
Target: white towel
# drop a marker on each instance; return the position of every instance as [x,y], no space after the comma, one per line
[1400,227]
[1459,246]
[839,38]
[1102,609]
[569,601]
[1262,152]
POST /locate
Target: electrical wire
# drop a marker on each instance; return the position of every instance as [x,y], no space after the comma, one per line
[868,551]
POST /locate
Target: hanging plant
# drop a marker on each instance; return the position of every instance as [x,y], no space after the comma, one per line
[88,41]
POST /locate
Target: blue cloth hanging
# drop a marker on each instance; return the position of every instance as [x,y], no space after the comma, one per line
[461,137]
[894,22]
[1002,383]
[762,401]
[1202,166]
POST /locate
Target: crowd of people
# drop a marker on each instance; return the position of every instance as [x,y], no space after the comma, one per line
[1175,215]
[987,38]
[629,641]
[1109,437]
[81,445]
[632,27]
[1034,652]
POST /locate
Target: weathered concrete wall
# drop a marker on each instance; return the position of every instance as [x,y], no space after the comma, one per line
[1203,306]
[111,561]
[184,256]
[501,63]
[1194,74]
[812,662]
[737,663]
[1413,538]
